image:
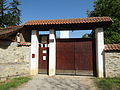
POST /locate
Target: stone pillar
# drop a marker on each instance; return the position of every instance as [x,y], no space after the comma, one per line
[99,35]
[64,34]
[34,52]
[52,53]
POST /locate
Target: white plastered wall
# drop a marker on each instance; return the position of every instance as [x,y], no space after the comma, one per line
[64,34]
[99,35]
[34,52]
[52,52]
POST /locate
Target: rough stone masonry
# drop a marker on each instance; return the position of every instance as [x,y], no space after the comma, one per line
[112,64]
[14,60]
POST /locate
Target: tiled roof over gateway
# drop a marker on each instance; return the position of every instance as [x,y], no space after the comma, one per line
[69,21]
[60,24]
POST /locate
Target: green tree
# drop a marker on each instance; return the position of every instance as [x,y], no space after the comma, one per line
[15,12]
[3,10]
[85,36]
[9,13]
[109,8]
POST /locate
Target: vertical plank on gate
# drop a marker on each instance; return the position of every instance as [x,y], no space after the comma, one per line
[84,56]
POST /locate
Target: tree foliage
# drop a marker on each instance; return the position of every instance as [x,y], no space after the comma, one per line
[109,8]
[3,9]
[9,13]
[85,36]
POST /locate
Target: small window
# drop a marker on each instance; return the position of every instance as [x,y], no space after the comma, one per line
[44,57]
[44,51]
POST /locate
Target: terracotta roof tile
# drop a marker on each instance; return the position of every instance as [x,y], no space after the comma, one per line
[24,44]
[112,47]
[70,21]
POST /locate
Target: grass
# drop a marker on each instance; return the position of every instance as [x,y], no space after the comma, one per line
[108,83]
[13,83]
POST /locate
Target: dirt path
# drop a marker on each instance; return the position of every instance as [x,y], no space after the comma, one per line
[43,82]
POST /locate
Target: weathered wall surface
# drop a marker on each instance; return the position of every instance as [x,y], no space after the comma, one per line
[112,64]
[14,60]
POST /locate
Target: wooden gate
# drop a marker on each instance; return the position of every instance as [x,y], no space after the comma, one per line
[43,60]
[75,56]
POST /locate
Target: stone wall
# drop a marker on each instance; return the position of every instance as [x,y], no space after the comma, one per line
[14,60]
[112,64]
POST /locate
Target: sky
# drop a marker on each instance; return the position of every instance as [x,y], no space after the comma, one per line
[56,9]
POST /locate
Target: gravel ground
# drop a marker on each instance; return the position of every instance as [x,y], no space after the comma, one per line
[59,82]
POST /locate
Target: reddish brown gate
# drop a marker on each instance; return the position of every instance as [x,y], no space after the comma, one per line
[75,56]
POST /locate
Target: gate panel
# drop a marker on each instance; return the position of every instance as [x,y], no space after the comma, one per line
[84,56]
[75,56]
[43,60]
[65,56]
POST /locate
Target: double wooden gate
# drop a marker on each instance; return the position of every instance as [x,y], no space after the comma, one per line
[73,56]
